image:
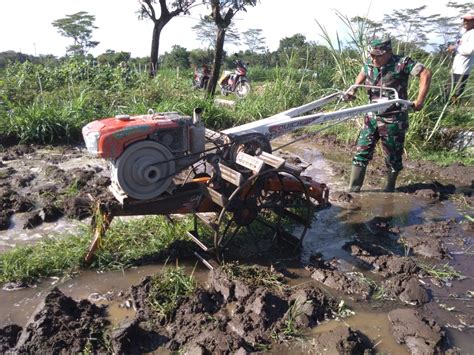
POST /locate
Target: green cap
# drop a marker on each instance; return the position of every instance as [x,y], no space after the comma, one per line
[380,46]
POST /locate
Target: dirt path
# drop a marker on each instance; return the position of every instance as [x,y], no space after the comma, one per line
[404,257]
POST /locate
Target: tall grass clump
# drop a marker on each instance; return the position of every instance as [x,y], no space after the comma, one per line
[167,289]
[50,118]
[44,104]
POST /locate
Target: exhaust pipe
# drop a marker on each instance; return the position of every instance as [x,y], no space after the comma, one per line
[197,115]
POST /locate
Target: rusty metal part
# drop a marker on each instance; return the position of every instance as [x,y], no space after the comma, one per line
[276,201]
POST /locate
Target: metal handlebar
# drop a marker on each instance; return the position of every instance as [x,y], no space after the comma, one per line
[293,118]
[380,88]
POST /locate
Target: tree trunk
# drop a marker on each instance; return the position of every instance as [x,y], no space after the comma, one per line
[216,68]
[155,47]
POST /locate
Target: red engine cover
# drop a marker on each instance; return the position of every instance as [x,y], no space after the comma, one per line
[117,133]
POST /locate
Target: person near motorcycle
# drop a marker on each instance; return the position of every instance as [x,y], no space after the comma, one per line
[385,69]
[201,77]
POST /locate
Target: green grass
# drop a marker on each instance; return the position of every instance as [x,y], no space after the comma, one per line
[167,289]
[445,158]
[73,189]
[290,328]
[124,245]
[253,275]
[343,310]
[442,272]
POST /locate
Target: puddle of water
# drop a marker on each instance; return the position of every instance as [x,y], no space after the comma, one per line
[100,288]
[15,235]
[375,326]
[343,222]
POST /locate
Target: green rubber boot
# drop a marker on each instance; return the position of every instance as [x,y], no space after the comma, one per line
[391,181]
[357,178]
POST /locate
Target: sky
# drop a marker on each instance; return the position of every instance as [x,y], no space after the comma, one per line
[26,25]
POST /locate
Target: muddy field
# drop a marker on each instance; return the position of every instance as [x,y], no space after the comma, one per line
[377,273]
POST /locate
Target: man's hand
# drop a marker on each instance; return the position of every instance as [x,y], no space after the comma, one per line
[418,105]
[451,48]
[350,96]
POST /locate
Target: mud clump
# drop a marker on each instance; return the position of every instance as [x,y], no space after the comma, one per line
[427,240]
[351,283]
[401,275]
[379,260]
[434,191]
[77,207]
[419,334]
[23,204]
[232,314]
[442,229]
[426,246]
[51,213]
[59,326]
[33,220]
[341,340]
[407,288]
[401,272]
[5,219]
[8,337]
[32,181]
[8,198]
[456,172]
[340,196]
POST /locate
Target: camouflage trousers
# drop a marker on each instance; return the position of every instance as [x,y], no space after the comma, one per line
[391,133]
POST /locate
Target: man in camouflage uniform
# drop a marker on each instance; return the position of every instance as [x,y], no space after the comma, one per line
[386,69]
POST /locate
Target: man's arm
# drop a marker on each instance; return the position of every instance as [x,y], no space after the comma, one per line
[465,45]
[359,80]
[425,81]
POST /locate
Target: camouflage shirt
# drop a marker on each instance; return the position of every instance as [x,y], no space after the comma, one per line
[394,75]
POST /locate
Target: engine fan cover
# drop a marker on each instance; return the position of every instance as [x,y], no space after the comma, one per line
[144,170]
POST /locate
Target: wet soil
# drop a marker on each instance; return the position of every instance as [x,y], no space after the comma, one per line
[46,185]
[376,252]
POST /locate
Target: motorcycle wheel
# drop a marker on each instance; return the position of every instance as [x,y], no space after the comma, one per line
[242,89]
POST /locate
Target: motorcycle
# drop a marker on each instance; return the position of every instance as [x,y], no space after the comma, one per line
[201,77]
[236,82]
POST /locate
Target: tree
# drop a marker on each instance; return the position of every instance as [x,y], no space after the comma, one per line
[367,27]
[79,27]
[168,10]
[408,25]
[447,28]
[223,11]
[206,32]
[292,49]
[113,58]
[198,57]
[254,40]
[178,57]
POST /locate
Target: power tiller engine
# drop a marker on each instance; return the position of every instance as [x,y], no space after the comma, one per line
[146,151]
